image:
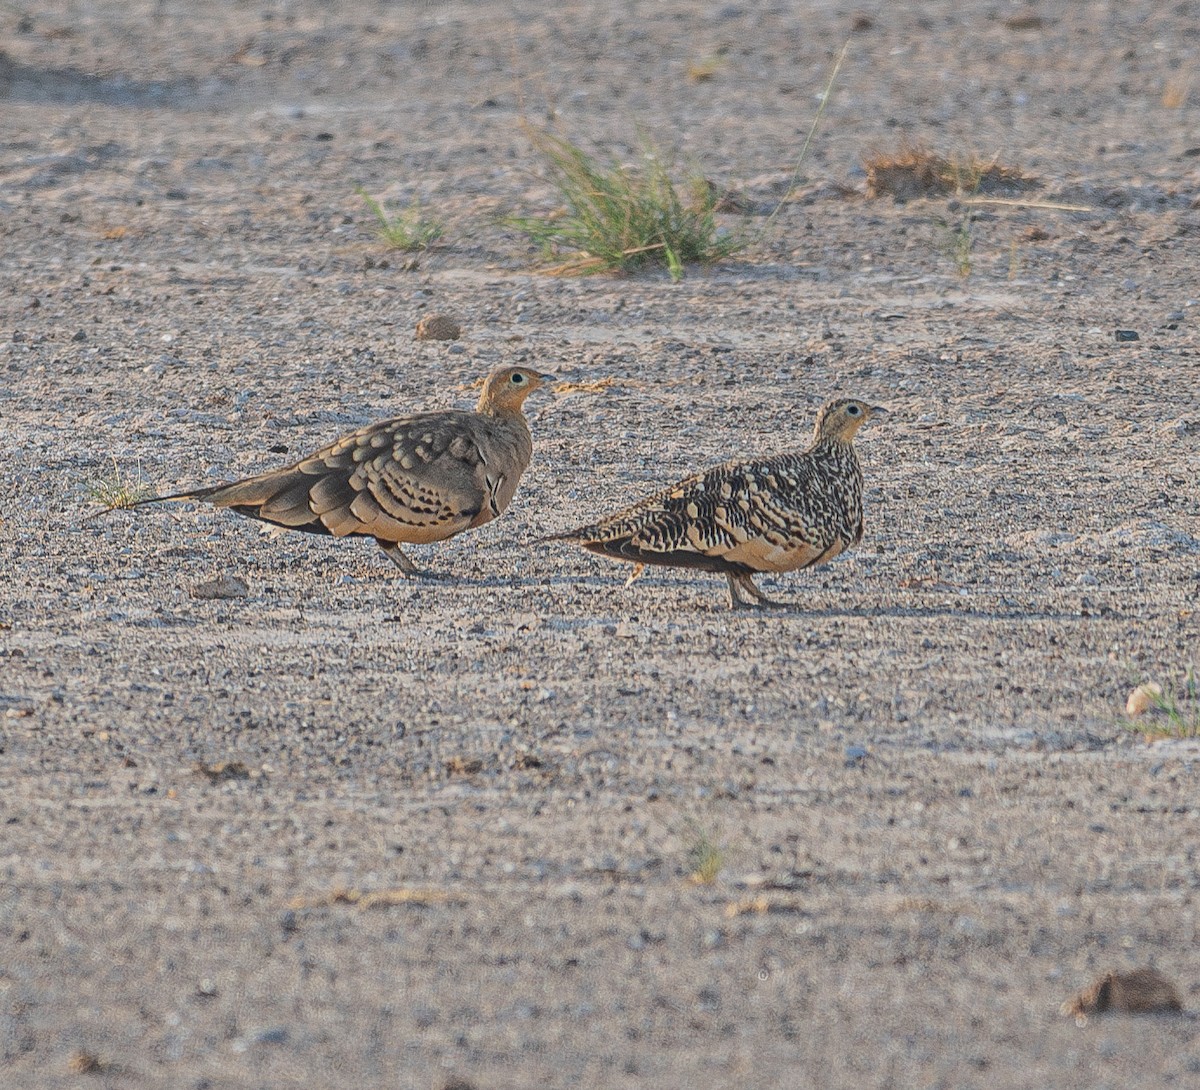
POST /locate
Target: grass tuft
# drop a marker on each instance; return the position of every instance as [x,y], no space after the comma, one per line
[707,68]
[913,171]
[958,240]
[408,229]
[618,219]
[117,491]
[705,856]
[1172,711]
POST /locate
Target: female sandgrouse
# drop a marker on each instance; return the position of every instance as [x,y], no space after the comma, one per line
[411,480]
[775,515]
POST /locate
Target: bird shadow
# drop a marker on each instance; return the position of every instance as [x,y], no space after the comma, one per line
[930,613]
[714,604]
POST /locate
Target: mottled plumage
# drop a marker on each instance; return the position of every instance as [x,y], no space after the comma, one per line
[776,514]
[411,480]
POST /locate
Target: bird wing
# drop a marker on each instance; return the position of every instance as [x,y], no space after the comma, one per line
[418,478]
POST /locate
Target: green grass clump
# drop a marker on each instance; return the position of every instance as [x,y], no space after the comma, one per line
[408,229]
[958,241]
[618,219]
[705,856]
[1167,712]
[117,491]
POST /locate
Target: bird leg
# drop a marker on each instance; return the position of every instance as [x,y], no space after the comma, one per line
[633,576]
[747,582]
[736,601]
[743,581]
[396,555]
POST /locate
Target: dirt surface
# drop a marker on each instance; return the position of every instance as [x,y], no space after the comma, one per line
[347,829]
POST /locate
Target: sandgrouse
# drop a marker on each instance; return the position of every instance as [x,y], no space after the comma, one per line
[411,480]
[778,514]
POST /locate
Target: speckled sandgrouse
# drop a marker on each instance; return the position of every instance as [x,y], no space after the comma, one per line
[411,480]
[774,515]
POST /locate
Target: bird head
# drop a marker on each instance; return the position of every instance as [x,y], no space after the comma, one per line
[506,389]
[839,420]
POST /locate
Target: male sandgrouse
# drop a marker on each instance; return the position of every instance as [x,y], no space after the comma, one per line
[774,515]
[411,480]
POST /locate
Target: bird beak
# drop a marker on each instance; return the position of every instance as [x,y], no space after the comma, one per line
[878,410]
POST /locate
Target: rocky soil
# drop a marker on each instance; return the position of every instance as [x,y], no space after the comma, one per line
[519,826]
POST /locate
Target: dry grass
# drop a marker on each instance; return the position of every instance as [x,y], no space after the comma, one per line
[1140,991]
[761,906]
[596,387]
[913,172]
[379,898]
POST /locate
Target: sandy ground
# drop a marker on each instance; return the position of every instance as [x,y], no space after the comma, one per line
[925,820]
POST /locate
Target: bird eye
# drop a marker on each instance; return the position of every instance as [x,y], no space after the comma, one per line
[853,410]
[517,378]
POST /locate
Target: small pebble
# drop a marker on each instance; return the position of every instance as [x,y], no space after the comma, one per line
[276,1035]
[438,327]
[1125,335]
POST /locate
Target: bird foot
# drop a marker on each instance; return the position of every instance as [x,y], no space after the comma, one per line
[739,583]
[761,603]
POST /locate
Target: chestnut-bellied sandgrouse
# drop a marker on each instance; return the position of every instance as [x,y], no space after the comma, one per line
[412,480]
[776,514]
